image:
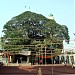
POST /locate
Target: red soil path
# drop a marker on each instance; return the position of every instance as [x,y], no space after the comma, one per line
[33,70]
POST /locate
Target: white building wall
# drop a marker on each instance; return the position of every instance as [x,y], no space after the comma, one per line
[69,57]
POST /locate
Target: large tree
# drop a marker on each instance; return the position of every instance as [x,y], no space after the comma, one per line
[24,28]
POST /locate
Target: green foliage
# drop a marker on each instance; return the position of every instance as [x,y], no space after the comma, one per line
[56,32]
[70,52]
[26,27]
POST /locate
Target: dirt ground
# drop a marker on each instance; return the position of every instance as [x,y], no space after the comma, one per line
[33,70]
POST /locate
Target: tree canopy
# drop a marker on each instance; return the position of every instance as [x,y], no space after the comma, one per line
[56,32]
[24,28]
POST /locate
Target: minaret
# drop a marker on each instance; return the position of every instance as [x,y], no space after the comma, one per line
[51,17]
[0,44]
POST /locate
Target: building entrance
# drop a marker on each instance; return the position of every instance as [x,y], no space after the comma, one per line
[20,59]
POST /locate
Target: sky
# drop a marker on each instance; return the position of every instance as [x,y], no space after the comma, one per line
[62,10]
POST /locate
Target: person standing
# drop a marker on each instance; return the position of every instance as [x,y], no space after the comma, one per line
[40,61]
[72,61]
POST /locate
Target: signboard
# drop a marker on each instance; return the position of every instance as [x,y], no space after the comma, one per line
[23,52]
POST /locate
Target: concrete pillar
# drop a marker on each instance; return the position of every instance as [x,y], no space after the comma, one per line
[39,72]
[10,58]
[27,59]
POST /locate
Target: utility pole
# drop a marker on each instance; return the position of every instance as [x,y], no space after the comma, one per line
[51,47]
[74,39]
[45,55]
